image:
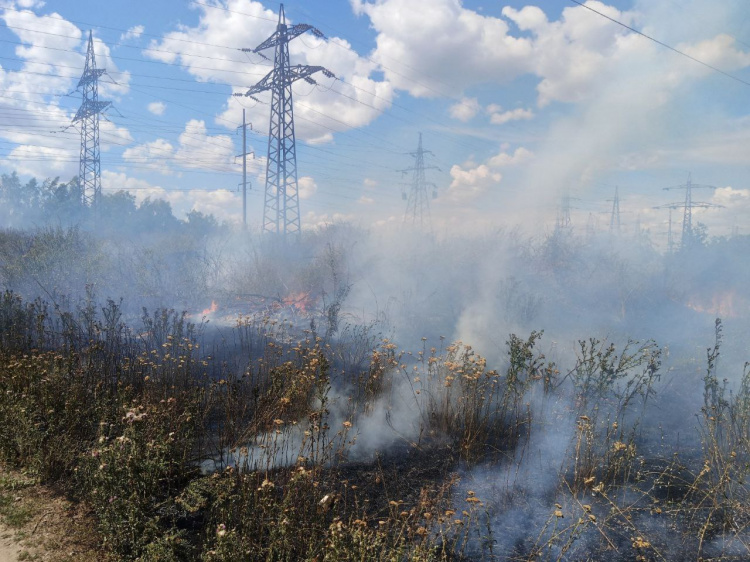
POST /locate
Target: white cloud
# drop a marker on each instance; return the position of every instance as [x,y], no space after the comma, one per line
[52,51]
[720,51]
[223,204]
[313,220]
[156,155]
[157,107]
[306,187]
[465,110]
[454,48]
[42,161]
[369,182]
[470,182]
[196,149]
[735,209]
[501,159]
[499,118]
[451,47]
[133,33]
[319,110]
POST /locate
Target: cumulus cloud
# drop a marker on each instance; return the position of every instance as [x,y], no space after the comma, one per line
[595,67]
[306,187]
[155,155]
[465,110]
[195,149]
[352,100]
[157,107]
[502,158]
[222,203]
[433,48]
[52,51]
[313,220]
[501,117]
[471,181]
[735,208]
[133,33]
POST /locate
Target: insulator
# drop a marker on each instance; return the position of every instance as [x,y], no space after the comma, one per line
[434,194]
[403,196]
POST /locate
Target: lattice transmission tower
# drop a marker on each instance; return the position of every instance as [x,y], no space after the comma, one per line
[688,234]
[418,198]
[563,221]
[89,170]
[614,219]
[281,214]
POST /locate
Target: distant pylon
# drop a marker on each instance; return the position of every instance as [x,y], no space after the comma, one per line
[688,206]
[670,238]
[281,214]
[614,221]
[563,213]
[591,227]
[244,155]
[89,170]
[418,199]
[670,235]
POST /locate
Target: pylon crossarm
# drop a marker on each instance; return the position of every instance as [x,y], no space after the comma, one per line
[265,84]
[303,72]
[284,36]
[89,108]
[91,76]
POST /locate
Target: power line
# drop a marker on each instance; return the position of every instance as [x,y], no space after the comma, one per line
[684,54]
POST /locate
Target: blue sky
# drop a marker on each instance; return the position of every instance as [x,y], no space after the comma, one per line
[520,103]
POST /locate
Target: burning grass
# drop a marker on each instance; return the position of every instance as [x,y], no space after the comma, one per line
[349,449]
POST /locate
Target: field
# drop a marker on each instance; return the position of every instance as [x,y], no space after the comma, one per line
[299,431]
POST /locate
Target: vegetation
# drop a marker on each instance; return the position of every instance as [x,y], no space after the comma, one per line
[124,421]
[302,432]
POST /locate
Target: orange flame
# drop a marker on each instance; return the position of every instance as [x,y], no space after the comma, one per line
[210,309]
[300,301]
[724,305]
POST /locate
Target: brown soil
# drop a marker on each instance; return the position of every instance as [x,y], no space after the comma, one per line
[38,523]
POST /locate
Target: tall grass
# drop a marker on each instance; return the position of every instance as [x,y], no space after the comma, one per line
[242,447]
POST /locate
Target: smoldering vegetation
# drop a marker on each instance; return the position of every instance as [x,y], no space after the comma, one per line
[215,395]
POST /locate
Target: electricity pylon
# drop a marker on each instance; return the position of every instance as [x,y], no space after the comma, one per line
[244,155]
[89,170]
[688,206]
[418,200]
[670,237]
[563,221]
[614,220]
[281,213]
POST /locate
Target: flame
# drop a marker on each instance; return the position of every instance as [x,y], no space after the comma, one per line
[210,309]
[301,301]
[723,305]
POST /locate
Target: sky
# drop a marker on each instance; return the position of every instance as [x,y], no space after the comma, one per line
[520,105]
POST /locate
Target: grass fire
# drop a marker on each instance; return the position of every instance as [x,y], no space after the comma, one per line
[376,280]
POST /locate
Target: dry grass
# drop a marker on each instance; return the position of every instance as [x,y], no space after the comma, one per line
[123,420]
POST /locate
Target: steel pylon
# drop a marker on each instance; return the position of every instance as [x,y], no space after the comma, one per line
[281,212]
[89,171]
[418,200]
